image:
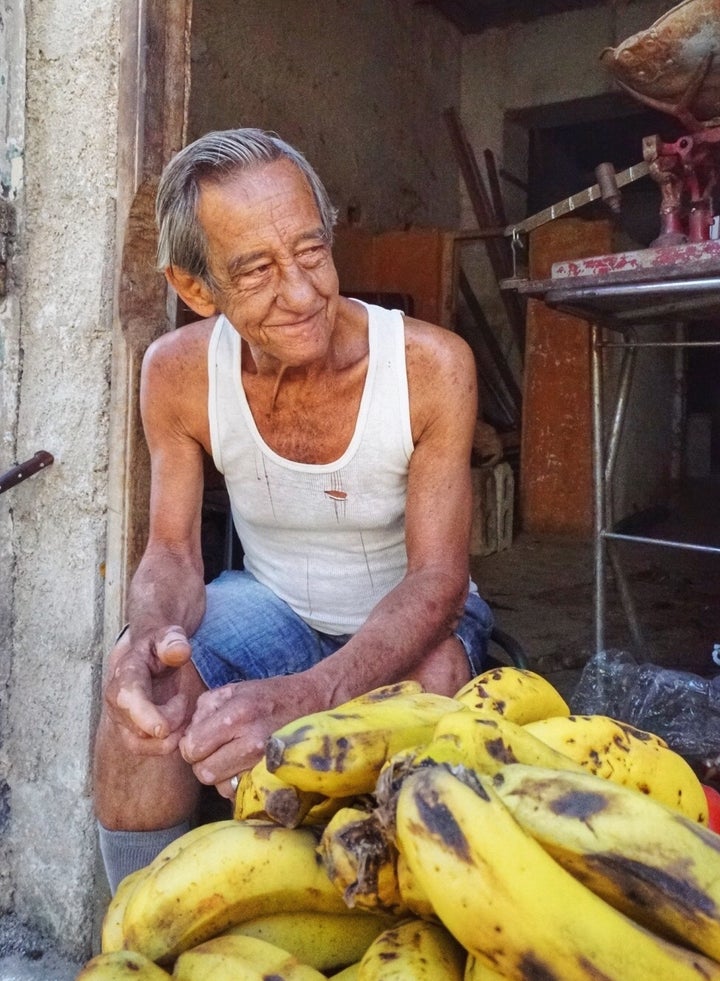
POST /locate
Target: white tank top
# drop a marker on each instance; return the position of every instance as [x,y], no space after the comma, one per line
[327,538]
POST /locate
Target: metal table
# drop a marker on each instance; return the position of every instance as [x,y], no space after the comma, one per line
[617,295]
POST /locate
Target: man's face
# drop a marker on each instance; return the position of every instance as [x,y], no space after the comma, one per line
[268,255]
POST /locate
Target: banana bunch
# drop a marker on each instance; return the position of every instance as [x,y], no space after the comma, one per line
[506,899]
[653,864]
[406,835]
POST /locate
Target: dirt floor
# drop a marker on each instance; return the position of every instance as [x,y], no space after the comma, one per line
[542,589]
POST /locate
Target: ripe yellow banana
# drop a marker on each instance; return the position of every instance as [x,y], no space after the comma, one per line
[111,933]
[238,958]
[509,903]
[325,941]
[263,795]
[485,743]
[122,965]
[177,846]
[629,756]
[360,861]
[327,807]
[240,870]
[411,895]
[516,694]
[340,752]
[475,970]
[652,863]
[349,973]
[415,949]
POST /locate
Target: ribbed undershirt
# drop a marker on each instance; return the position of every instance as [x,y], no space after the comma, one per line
[329,539]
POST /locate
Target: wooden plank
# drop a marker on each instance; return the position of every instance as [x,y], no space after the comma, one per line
[498,249]
[488,337]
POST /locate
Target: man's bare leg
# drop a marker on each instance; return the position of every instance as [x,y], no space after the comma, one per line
[142,803]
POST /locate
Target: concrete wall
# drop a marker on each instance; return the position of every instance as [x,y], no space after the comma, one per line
[55,370]
[359,88]
[12,139]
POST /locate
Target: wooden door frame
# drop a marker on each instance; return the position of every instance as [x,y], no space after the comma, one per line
[154,87]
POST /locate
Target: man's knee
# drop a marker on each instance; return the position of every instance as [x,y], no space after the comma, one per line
[445,669]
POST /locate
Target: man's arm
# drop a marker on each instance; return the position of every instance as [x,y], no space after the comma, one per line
[167,594]
[422,611]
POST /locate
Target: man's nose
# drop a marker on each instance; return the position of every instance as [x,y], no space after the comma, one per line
[294,286]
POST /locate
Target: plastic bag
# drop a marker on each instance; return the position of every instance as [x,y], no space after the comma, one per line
[681,707]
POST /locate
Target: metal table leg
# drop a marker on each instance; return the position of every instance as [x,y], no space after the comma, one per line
[598,450]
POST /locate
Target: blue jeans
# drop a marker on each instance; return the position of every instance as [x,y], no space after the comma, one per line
[249,632]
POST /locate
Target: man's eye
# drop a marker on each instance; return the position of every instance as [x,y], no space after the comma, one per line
[312,253]
[256,273]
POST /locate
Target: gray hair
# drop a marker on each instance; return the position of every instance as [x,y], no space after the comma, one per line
[214,157]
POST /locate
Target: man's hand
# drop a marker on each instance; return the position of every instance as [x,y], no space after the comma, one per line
[231,725]
[144,693]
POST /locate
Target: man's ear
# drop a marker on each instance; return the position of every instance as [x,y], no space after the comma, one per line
[192,291]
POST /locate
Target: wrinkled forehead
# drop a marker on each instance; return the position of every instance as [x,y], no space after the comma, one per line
[254,184]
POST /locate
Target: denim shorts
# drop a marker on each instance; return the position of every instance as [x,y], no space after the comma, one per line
[249,632]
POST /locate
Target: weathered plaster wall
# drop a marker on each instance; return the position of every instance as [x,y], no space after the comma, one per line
[62,307]
[12,137]
[358,87]
[544,63]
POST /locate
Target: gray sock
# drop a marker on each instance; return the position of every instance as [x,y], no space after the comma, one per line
[125,851]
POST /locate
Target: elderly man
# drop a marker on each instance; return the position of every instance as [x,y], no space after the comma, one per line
[344,433]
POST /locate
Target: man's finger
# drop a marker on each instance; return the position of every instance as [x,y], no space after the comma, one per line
[173,648]
[230,759]
[146,746]
[147,717]
[175,712]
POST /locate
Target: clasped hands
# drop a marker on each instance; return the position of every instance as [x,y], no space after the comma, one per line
[161,705]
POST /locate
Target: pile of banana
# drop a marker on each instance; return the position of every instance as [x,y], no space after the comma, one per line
[408,836]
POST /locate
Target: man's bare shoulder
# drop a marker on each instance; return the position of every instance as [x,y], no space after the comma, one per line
[428,345]
[188,344]
[442,377]
[177,361]
[175,382]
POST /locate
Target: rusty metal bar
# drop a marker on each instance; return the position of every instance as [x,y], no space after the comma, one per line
[15,475]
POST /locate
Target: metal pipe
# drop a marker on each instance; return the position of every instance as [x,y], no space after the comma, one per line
[678,404]
[635,344]
[636,290]
[626,372]
[662,542]
[15,475]
[598,487]
[628,604]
